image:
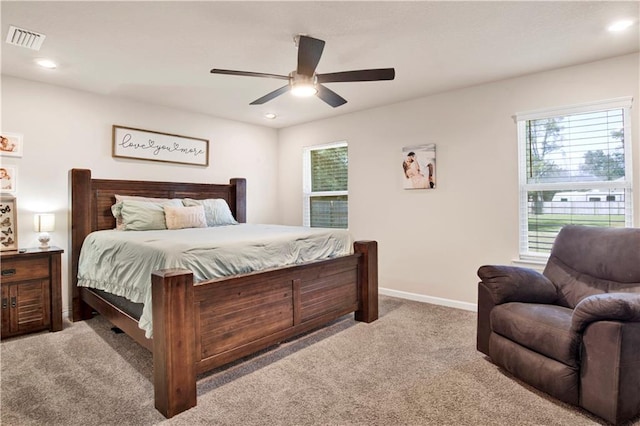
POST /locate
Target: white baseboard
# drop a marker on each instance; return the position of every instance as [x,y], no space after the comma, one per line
[429,299]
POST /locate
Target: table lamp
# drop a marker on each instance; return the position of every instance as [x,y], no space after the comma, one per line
[44,223]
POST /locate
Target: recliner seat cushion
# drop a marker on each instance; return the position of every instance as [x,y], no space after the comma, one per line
[545,329]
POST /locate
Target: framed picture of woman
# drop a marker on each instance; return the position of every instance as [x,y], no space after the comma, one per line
[419,166]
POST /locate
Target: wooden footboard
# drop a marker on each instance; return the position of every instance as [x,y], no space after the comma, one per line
[198,327]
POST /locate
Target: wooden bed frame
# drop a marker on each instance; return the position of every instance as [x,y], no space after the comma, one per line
[200,326]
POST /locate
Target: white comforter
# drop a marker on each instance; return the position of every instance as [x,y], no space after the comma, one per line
[121,262]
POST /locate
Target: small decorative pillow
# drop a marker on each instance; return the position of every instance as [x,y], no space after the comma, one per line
[142,216]
[216,210]
[116,209]
[185,217]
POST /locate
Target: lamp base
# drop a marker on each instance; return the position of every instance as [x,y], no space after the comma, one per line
[44,239]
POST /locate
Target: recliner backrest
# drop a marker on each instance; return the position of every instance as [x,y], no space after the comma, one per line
[587,260]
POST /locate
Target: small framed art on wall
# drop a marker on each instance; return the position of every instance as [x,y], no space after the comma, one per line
[10,144]
[419,166]
[8,179]
[8,223]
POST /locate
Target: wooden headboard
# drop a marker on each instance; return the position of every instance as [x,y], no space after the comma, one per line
[91,201]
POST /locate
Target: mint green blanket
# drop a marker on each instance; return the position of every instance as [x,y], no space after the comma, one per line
[121,262]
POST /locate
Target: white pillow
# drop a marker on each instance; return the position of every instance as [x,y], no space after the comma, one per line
[185,217]
[216,211]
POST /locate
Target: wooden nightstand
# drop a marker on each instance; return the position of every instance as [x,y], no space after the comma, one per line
[31,291]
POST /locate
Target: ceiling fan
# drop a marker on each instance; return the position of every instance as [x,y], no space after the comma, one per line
[305,82]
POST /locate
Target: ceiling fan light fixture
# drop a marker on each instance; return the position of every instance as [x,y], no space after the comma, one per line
[302,85]
[303,90]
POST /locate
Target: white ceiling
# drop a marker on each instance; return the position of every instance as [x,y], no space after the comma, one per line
[162,52]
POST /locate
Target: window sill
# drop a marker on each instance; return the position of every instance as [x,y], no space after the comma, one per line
[534,262]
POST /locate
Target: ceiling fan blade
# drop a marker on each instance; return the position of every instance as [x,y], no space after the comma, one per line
[309,53]
[249,74]
[359,75]
[329,96]
[269,96]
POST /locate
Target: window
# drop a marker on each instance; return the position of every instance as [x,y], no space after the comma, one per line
[325,170]
[575,168]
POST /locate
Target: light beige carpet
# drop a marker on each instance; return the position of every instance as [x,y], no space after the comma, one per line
[416,365]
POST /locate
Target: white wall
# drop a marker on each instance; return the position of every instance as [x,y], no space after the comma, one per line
[431,242]
[65,129]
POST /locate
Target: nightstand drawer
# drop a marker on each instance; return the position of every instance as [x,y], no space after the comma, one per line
[13,270]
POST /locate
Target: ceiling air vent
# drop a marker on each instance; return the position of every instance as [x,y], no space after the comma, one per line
[25,38]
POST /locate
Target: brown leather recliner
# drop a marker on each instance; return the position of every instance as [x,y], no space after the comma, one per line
[574,330]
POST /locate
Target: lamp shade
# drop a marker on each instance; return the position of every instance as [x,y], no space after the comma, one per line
[44,222]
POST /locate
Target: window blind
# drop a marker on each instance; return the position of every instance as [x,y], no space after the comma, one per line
[574,169]
[329,169]
[326,186]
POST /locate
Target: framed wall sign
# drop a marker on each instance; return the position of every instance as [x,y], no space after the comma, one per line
[8,225]
[156,146]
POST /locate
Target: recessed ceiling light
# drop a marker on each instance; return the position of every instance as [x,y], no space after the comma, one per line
[46,63]
[620,25]
[270,115]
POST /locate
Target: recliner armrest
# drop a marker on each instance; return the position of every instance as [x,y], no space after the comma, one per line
[517,284]
[606,307]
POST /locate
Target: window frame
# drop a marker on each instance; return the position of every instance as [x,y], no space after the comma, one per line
[521,119]
[307,192]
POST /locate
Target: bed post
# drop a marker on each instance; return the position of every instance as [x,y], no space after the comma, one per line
[367,280]
[174,342]
[80,228]
[239,195]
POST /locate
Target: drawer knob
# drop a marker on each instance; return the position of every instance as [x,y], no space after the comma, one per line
[8,272]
